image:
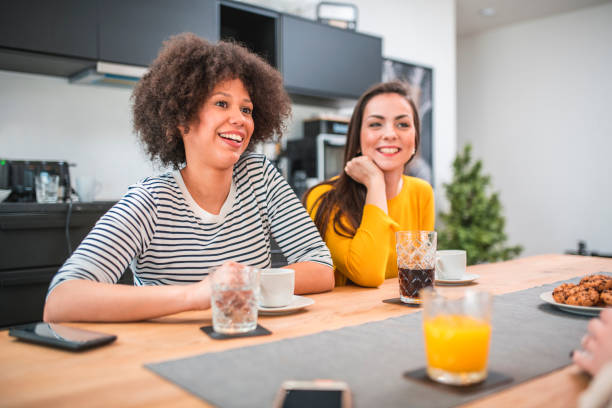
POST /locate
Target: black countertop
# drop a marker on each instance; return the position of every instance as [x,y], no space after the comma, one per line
[96,206]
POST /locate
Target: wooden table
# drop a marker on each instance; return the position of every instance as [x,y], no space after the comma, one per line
[114,375]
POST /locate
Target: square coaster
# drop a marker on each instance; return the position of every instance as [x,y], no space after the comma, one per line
[398,301]
[494,379]
[259,331]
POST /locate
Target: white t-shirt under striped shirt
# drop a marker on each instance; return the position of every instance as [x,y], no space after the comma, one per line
[160,231]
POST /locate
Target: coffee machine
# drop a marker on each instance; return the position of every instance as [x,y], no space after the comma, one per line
[319,155]
[18,176]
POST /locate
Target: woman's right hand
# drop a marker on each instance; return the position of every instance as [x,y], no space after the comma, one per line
[363,170]
[200,293]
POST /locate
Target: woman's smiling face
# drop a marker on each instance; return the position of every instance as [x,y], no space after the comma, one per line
[224,128]
[388,132]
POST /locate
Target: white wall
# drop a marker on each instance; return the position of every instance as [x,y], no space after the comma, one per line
[44,117]
[422,31]
[535,101]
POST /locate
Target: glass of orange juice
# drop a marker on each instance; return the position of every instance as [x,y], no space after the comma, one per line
[457,336]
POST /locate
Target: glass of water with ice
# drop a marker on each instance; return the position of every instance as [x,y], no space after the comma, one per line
[235,293]
[47,186]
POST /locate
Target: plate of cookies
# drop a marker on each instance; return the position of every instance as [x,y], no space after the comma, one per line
[589,297]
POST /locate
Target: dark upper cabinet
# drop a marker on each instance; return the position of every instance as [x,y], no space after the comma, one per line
[132,31]
[254,27]
[60,27]
[62,37]
[321,60]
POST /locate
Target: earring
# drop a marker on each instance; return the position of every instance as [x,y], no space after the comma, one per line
[183,130]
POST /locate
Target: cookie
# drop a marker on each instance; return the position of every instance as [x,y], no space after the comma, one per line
[582,296]
[560,292]
[597,282]
[606,297]
[592,277]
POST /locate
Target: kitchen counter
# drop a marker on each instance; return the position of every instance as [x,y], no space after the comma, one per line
[37,235]
[54,207]
[35,240]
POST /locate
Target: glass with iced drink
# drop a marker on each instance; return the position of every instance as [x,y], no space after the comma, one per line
[416,259]
[457,334]
[235,293]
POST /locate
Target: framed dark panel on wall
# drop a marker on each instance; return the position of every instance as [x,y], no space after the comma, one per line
[420,79]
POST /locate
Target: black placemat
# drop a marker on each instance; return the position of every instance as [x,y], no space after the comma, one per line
[259,331]
[529,338]
[494,379]
[398,301]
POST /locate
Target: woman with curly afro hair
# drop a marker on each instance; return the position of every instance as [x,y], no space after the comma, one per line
[199,109]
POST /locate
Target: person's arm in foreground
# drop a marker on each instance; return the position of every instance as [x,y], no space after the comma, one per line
[83,300]
[596,359]
[596,344]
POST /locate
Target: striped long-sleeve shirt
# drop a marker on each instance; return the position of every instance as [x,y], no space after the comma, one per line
[160,231]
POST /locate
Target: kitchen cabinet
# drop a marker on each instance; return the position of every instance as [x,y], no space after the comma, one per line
[60,27]
[34,245]
[132,31]
[321,60]
[252,26]
[63,37]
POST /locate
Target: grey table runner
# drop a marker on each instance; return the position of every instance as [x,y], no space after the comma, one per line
[530,338]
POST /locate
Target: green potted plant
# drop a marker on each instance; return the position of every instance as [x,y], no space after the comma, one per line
[474,221]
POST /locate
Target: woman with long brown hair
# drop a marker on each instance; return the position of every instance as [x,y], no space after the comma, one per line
[358,212]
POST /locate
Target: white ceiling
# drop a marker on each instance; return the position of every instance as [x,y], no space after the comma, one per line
[470,21]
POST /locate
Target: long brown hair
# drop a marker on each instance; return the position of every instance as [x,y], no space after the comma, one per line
[346,195]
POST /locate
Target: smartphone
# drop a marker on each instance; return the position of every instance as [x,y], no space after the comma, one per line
[57,335]
[317,393]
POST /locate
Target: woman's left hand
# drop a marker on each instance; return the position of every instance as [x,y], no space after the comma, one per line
[363,170]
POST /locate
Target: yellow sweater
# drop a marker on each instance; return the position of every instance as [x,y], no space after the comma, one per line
[369,257]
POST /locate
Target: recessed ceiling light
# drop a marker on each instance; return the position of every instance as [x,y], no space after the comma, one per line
[487,11]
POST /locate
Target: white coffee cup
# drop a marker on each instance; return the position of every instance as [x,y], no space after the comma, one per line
[277,286]
[87,187]
[450,264]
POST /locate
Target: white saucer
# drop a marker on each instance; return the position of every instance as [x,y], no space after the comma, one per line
[298,302]
[467,278]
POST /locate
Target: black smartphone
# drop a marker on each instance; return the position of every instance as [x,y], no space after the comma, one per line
[57,335]
[317,393]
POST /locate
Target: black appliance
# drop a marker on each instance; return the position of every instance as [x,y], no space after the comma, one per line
[18,176]
[320,153]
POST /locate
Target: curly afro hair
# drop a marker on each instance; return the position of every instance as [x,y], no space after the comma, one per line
[182,77]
